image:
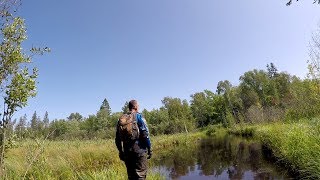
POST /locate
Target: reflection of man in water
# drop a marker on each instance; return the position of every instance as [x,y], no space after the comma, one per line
[134,152]
[237,170]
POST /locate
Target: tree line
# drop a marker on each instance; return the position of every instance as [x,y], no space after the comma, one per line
[262,96]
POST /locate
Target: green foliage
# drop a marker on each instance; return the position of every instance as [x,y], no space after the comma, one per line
[101,125]
[17,83]
[262,96]
[21,127]
[254,85]
[201,109]
[180,117]
[243,130]
[267,95]
[215,130]
[125,108]
[305,100]
[158,121]
[207,108]
[296,144]
[75,116]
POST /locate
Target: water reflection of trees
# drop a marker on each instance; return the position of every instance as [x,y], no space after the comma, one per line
[178,159]
[234,155]
[217,157]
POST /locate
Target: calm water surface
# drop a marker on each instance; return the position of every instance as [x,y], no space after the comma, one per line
[226,157]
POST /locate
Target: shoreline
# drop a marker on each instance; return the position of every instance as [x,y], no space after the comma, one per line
[293,145]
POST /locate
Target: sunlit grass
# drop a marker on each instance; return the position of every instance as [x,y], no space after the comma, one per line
[295,144]
[81,159]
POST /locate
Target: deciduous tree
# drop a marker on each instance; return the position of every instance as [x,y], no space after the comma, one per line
[17,82]
[75,117]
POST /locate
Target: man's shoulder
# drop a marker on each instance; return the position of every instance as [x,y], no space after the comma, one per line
[139,116]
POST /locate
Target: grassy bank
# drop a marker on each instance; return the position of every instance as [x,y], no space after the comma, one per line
[295,144]
[80,159]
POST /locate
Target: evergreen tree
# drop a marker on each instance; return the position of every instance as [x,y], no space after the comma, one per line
[105,107]
[34,121]
[40,126]
[46,120]
[21,126]
[125,108]
[272,70]
[10,127]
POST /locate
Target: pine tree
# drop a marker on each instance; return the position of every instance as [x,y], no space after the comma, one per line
[40,126]
[125,108]
[34,121]
[21,126]
[46,120]
[272,70]
[106,107]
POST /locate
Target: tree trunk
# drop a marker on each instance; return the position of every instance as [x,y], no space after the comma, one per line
[185,127]
[2,151]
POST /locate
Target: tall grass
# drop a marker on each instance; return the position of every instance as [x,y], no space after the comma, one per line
[295,144]
[80,159]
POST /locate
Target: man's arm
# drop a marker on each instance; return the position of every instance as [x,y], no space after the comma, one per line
[118,140]
[144,131]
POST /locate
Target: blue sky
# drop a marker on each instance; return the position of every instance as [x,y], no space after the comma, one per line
[146,50]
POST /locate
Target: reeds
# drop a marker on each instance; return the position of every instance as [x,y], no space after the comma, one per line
[80,159]
[295,145]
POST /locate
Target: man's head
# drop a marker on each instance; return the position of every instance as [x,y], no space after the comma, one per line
[133,105]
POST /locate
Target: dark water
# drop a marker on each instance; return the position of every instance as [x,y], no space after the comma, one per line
[226,157]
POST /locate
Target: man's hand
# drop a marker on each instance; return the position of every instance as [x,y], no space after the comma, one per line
[149,153]
[121,156]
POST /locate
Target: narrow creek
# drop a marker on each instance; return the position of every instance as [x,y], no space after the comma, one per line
[227,157]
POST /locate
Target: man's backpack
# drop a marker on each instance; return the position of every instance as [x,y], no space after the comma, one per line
[128,127]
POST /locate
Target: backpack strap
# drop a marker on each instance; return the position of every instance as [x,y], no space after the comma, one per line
[135,120]
[134,117]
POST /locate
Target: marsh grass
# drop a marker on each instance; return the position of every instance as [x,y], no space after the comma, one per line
[215,130]
[296,145]
[243,130]
[82,159]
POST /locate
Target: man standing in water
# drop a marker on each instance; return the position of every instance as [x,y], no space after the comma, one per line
[133,142]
